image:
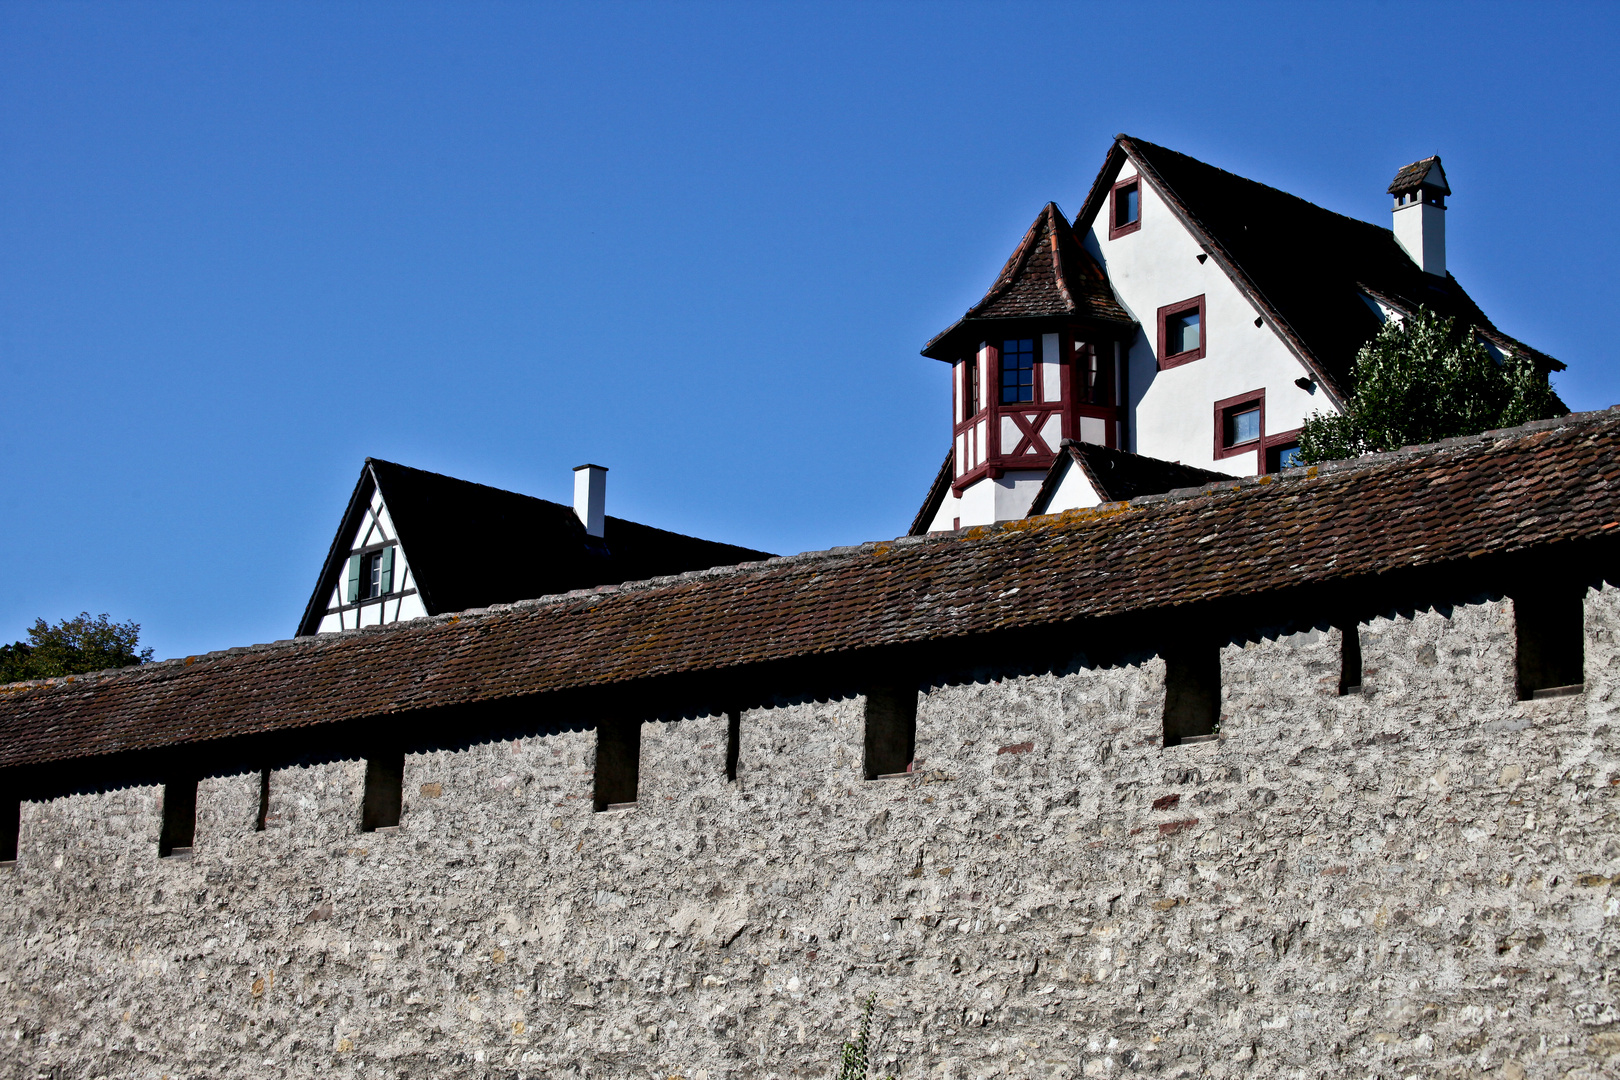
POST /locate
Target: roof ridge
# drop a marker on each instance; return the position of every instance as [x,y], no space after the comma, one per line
[1362,222]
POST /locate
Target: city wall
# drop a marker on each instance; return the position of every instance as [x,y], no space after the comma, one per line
[1416,879]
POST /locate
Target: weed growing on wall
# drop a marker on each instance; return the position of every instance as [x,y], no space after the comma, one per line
[854,1060]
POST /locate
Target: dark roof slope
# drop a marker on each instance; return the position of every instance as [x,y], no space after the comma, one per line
[470,546]
[1050,273]
[1118,475]
[935,498]
[1303,266]
[1546,484]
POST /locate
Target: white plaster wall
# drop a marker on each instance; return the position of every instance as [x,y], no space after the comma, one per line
[1074,490]
[1173,412]
[987,501]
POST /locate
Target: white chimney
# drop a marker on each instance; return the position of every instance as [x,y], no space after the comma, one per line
[1420,192]
[590,496]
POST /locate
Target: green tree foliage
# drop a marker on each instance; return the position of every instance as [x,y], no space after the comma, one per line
[72,647]
[1426,378]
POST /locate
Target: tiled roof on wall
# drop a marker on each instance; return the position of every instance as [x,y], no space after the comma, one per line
[1506,492]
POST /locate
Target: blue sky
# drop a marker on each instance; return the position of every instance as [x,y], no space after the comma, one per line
[243,246]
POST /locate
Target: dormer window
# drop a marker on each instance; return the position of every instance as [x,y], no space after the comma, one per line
[1126,214]
[1017,370]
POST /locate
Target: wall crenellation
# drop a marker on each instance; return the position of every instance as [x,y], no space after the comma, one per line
[1415,878]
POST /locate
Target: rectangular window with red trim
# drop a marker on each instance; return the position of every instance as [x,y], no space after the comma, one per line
[1240,424]
[1183,333]
[1125,213]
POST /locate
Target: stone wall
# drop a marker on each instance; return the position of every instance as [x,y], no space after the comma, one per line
[1413,880]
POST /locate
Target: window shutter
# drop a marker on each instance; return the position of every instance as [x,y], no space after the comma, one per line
[354,578]
[387,570]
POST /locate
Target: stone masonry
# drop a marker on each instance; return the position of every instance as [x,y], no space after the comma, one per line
[1416,880]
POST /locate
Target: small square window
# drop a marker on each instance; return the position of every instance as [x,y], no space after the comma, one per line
[1182,335]
[1242,427]
[1287,456]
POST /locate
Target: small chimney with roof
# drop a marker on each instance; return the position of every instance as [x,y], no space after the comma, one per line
[1420,192]
[590,497]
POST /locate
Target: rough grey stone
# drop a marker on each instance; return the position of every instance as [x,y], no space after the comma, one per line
[1412,880]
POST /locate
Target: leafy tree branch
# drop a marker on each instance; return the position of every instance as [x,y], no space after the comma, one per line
[1425,378]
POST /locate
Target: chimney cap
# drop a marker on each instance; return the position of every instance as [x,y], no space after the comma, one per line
[604,468]
[1420,174]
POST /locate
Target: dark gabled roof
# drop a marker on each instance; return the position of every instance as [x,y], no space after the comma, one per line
[935,498]
[1410,177]
[470,546]
[1118,475]
[1049,274]
[1302,266]
[1531,492]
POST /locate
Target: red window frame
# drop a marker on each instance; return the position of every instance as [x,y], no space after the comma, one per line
[1240,403]
[1271,444]
[1196,303]
[1117,231]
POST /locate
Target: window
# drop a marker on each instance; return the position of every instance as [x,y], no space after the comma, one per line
[891,730]
[263,818]
[1017,370]
[371,574]
[384,796]
[1183,336]
[1181,333]
[1192,693]
[1349,657]
[970,386]
[618,763]
[10,827]
[733,742]
[179,817]
[1096,374]
[1126,214]
[1240,424]
[1284,456]
[1549,620]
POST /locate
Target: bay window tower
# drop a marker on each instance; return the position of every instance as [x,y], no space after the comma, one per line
[1035,362]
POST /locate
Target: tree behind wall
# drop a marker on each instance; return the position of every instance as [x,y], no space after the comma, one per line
[72,647]
[1425,378]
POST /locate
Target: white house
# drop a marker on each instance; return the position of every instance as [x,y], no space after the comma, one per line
[1186,314]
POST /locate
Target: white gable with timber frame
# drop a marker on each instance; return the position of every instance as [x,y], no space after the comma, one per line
[377,586]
